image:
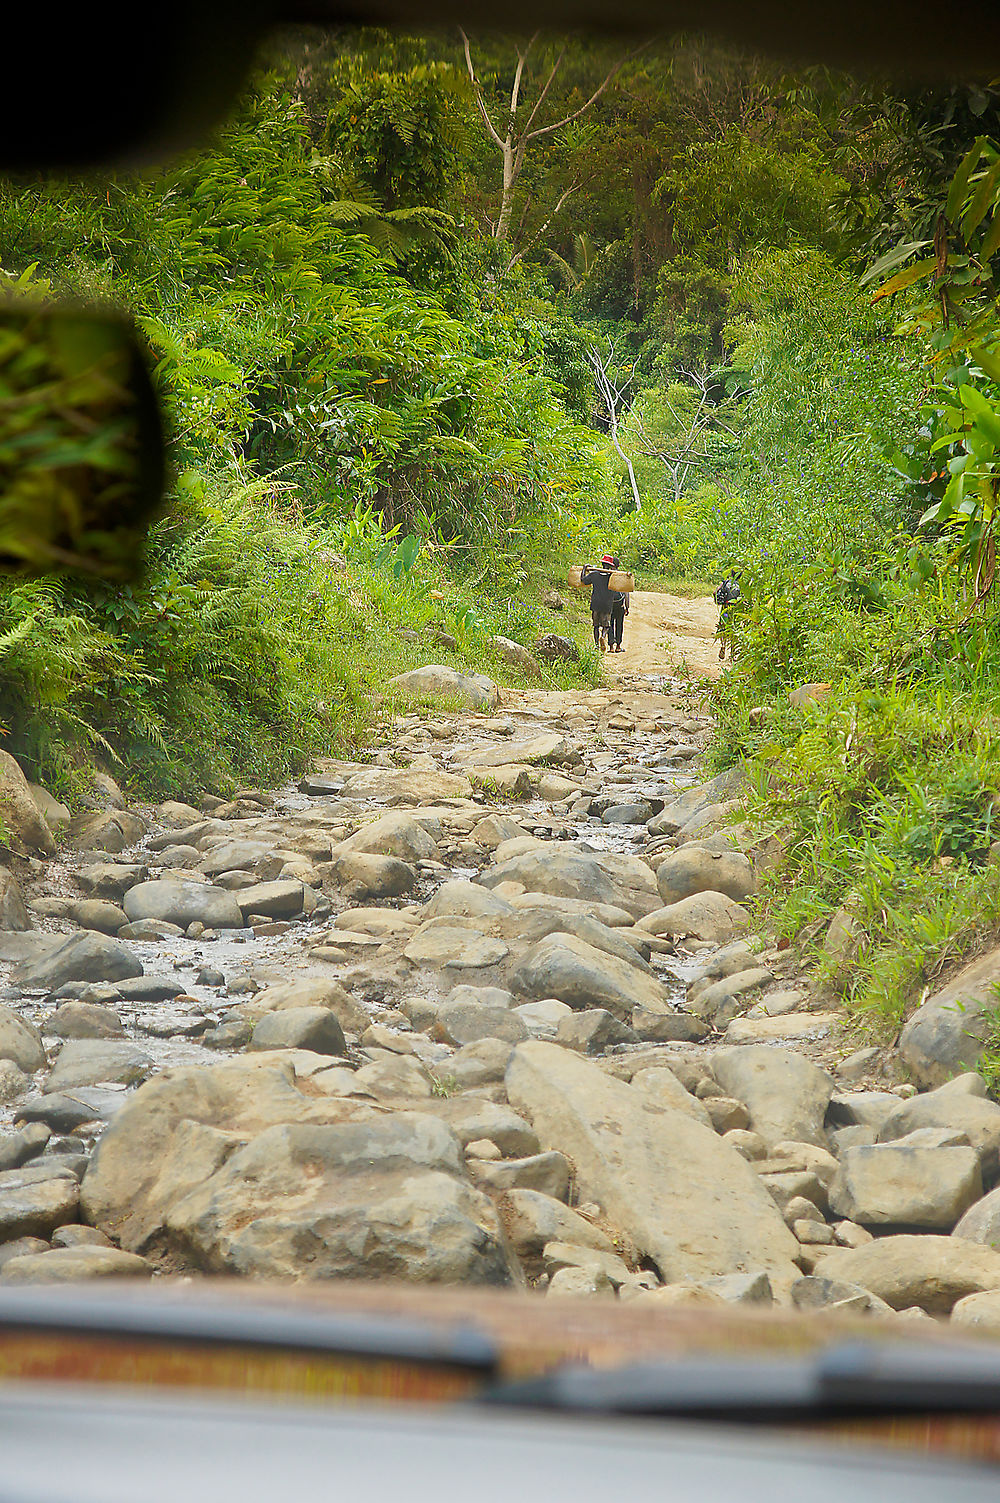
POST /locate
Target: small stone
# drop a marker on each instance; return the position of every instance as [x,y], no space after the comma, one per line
[482,1149]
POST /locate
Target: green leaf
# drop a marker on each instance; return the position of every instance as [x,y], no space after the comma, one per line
[983,198]
[991,242]
[892,259]
[906,278]
[959,183]
[987,361]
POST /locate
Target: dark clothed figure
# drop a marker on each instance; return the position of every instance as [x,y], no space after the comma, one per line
[600,603]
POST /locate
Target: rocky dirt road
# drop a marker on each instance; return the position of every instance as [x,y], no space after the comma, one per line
[481,1008]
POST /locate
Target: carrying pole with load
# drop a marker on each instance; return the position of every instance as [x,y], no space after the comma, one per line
[618,579]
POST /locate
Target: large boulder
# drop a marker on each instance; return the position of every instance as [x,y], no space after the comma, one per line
[436,681]
[20,1042]
[19,813]
[977,1118]
[178,1128]
[515,654]
[88,1062]
[572,971]
[279,899]
[948,1033]
[464,899]
[314,1028]
[82,957]
[455,948]
[406,785]
[685,1198]
[705,915]
[929,1271]
[545,746]
[534,1219]
[349,1011]
[906,1185]
[70,1265]
[981,1223]
[184,903]
[13,914]
[395,834]
[370,876]
[786,1095]
[35,1200]
[385,1198]
[693,869]
[674,816]
[619,882]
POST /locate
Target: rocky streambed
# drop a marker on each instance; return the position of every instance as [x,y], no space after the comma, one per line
[480,1009]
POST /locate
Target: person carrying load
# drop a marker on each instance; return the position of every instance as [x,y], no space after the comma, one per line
[619,610]
[600,599]
[725,595]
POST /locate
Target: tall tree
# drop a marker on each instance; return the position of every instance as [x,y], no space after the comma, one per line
[512,133]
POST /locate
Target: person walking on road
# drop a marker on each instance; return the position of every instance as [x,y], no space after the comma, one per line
[619,610]
[725,595]
[600,599]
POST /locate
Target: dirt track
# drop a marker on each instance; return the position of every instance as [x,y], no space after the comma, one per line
[662,632]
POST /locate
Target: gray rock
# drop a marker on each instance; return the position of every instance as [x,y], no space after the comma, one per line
[74,1235]
[34,1202]
[593,1031]
[82,957]
[471,1119]
[557,1256]
[111,879]
[468,1022]
[618,882]
[555,648]
[722,1000]
[150,929]
[60,1113]
[151,988]
[546,1173]
[396,834]
[231,1033]
[706,915]
[627,814]
[692,869]
[533,1219]
[374,876]
[455,948]
[683,1197]
[742,1288]
[183,903]
[68,1265]
[514,653]
[671,1027]
[13,914]
[20,1042]
[948,1032]
[926,1270]
[678,813]
[979,1312]
[889,1185]
[17,1148]
[87,1062]
[313,1028]
[978,1119]
[98,914]
[981,1222]
[85,1020]
[112,830]
[467,900]
[350,1011]
[483,1062]
[437,681]
[785,1094]
[393,1075]
[282,899]
[20,1247]
[814,1293]
[572,971]
[13,1082]
[861,1108]
[19,812]
[383,1198]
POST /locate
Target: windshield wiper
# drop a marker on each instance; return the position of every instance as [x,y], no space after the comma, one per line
[856,1379]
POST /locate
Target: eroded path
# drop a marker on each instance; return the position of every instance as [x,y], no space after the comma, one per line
[479,1009]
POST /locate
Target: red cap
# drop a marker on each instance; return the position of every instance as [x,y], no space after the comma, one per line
[607,559]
